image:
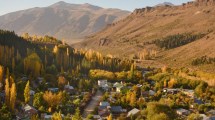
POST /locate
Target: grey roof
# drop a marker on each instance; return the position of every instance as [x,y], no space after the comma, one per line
[116,109]
[104,103]
[133,112]
[102,107]
[211,118]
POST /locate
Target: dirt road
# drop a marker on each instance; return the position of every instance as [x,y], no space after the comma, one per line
[93,103]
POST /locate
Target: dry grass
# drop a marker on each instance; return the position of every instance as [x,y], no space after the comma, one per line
[157,24]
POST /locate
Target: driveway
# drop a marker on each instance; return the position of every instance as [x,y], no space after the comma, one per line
[93,103]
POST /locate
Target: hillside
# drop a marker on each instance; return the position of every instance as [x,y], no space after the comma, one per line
[62,20]
[138,32]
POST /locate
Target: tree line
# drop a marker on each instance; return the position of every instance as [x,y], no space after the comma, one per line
[177,40]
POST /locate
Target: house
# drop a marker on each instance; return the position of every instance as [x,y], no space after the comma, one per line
[188,92]
[211,112]
[116,84]
[170,91]
[116,109]
[198,101]
[32,92]
[102,83]
[69,89]
[103,111]
[211,118]
[104,104]
[49,117]
[119,88]
[151,92]
[182,111]
[133,112]
[97,117]
[53,89]
[139,85]
[111,99]
[24,78]
[40,79]
[29,110]
[203,116]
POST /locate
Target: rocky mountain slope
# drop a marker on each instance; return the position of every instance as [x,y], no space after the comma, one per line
[139,31]
[61,20]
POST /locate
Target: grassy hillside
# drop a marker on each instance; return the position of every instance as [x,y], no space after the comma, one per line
[140,31]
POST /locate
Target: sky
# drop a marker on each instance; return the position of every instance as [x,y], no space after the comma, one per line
[7,6]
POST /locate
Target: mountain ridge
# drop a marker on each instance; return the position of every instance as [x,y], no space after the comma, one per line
[62,20]
[143,26]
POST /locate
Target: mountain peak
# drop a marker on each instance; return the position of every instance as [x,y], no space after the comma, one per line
[165,4]
[60,3]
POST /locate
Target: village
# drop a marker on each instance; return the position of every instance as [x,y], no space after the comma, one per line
[119,100]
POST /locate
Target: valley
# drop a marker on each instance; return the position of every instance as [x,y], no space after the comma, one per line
[70,61]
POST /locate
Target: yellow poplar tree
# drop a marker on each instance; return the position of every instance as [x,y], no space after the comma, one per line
[13,97]
[1,73]
[7,92]
[27,92]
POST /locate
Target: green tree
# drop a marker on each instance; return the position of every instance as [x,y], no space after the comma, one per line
[27,92]
[155,108]
[57,116]
[132,72]
[77,115]
[194,116]
[5,114]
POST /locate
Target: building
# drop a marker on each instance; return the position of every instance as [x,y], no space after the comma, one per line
[103,111]
[104,103]
[102,83]
[151,92]
[97,117]
[116,109]
[211,118]
[211,112]
[53,89]
[29,110]
[69,89]
[32,92]
[170,91]
[182,111]
[188,92]
[133,112]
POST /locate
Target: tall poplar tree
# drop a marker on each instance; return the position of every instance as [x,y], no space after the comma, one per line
[27,92]
[13,97]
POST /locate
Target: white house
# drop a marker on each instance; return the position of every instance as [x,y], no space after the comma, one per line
[182,111]
[32,92]
[102,83]
[68,88]
[119,88]
[151,92]
[104,103]
[133,112]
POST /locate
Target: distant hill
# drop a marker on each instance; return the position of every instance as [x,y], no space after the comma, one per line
[165,4]
[62,20]
[186,30]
